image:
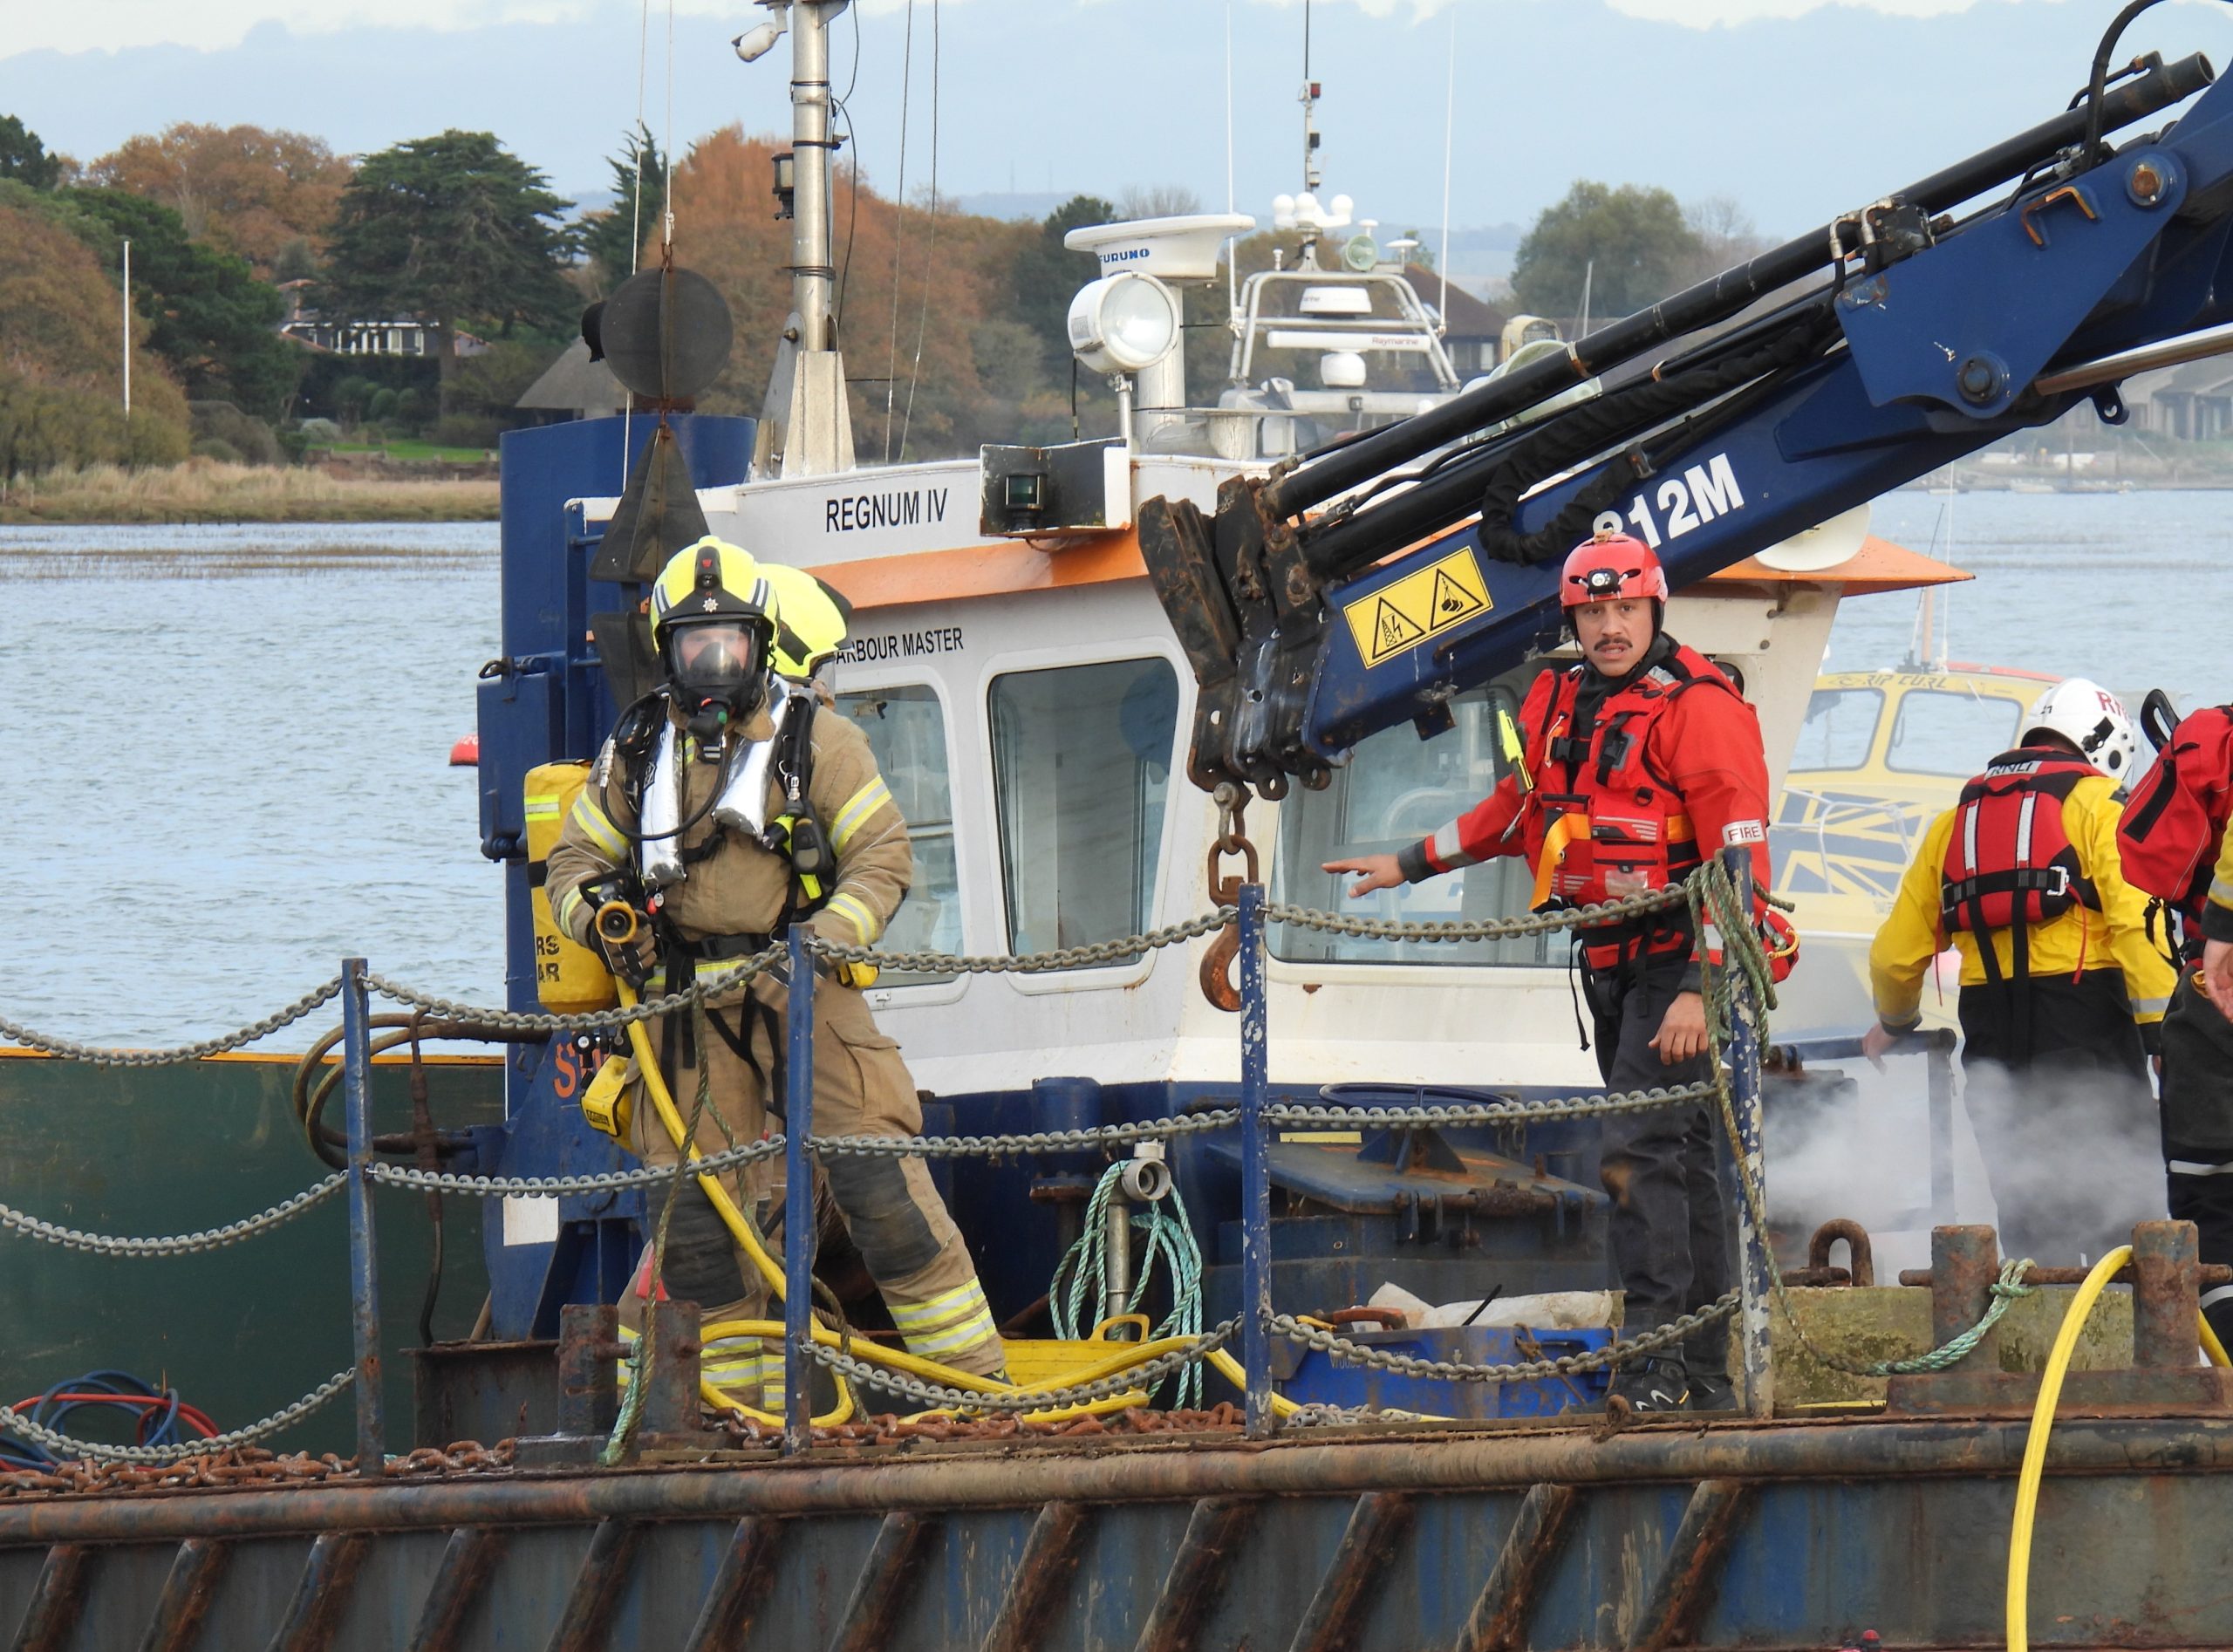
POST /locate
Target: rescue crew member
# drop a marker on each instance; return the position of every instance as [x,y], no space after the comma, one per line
[1635,764]
[2177,844]
[831,851]
[2060,981]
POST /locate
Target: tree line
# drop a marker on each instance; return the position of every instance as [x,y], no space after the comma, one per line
[953,323]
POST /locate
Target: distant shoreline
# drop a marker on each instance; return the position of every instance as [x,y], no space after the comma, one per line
[203,491]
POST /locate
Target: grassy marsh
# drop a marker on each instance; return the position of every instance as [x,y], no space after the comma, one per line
[206,490]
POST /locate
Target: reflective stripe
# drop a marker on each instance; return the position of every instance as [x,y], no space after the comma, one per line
[1969,840]
[541,807]
[2221,891]
[570,902]
[599,830]
[863,803]
[935,1309]
[977,1327]
[1448,853]
[2150,1005]
[2023,831]
[862,920]
[2195,1167]
[2221,1293]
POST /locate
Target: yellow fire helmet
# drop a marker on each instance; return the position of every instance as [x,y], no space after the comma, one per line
[811,621]
[710,579]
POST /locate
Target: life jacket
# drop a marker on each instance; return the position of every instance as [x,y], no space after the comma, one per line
[2168,839]
[1603,823]
[2010,863]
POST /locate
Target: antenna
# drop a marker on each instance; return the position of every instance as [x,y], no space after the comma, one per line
[1311,177]
[1449,129]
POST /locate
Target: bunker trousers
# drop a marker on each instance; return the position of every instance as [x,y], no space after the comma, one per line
[890,1209]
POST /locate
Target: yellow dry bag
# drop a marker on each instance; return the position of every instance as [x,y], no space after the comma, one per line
[570,979]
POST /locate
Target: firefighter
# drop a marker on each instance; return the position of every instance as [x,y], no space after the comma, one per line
[2177,844]
[2062,992]
[1636,763]
[737,825]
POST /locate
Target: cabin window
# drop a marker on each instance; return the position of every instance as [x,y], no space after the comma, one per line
[907,730]
[1396,789]
[1840,727]
[1941,731]
[1082,766]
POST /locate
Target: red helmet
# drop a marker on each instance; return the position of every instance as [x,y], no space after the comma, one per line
[1608,566]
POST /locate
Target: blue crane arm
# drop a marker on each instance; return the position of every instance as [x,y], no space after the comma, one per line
[1934,338]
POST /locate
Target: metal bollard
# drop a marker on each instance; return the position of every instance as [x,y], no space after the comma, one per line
[364,1256]
[1964,1265]
[1255,1168]
[2165,1296]
[798,1202]
[589,1373]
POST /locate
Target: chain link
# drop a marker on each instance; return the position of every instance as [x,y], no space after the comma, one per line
[1113,951]
[511,1020]
[104,1055]
[993,1146]
[936,1397]
[1459,1371]
[1592,917]
[210,1238]
[1314,1116]
[96,1451]
[546,1187]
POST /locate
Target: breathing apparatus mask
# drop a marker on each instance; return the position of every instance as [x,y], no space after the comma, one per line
[717,667]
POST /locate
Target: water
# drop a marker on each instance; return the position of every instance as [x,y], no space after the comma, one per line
[2127,589]
[229,748]
[229,744]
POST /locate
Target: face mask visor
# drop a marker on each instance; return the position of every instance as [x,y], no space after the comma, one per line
[719,660]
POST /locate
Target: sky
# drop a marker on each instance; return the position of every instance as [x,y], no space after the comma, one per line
[1795,109]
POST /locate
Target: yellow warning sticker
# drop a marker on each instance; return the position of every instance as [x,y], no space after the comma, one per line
[1417,606]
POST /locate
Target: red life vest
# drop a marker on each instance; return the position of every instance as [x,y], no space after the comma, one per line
[1603,823]
[2168,839]
[2009,862]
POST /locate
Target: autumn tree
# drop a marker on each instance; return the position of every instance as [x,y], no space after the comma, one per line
[213,320]
[61,401]
[244,189]
[454,231]
[1630,246]
[613,237]
[24,158]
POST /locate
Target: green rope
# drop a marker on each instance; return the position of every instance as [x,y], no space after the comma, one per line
[2006,1290]
[1076,1291]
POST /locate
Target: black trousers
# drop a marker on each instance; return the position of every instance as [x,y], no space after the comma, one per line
[2198,1132]
[1671,1233]
[2057,1090]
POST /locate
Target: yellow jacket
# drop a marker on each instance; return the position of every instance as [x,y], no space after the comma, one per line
[2217,910]
[2081,938]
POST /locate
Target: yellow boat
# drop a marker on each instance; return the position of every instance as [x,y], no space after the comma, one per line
[1881,753]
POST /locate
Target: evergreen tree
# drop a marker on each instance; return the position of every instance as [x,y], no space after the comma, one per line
[1632,243]
[213,320]
[454,231]
[25,158]
[613,237]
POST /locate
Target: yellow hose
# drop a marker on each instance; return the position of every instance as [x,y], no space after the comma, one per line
[2043,1419]
[2034,1443]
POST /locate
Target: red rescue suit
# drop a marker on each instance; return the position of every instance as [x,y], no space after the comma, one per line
[1626,787]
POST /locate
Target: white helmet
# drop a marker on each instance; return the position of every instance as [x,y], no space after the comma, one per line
[2092,719]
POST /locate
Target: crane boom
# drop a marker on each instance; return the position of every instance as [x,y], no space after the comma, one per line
[1930,337]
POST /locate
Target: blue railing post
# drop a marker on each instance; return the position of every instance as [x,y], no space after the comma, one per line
[1748,1161]
[798,1202]
[364,1259]
[1255,1167]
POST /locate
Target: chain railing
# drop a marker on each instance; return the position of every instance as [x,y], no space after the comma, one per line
[97,1450]
[1736,988]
